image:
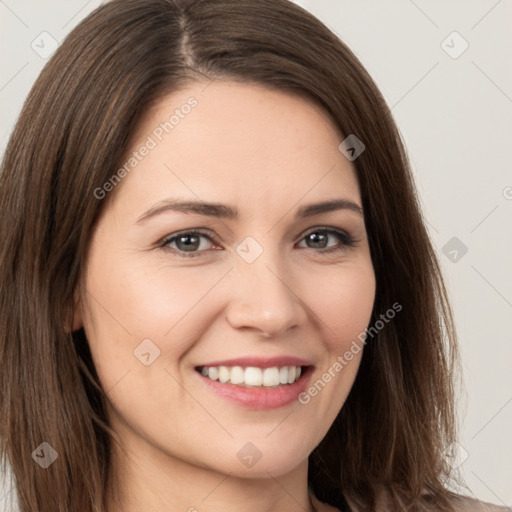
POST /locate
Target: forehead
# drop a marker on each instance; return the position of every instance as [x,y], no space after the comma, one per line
[236,142]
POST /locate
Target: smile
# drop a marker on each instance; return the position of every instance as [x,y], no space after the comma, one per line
[257,382]
[252,376]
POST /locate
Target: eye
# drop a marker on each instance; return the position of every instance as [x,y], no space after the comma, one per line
[187,243]
[193,243]
[318,238]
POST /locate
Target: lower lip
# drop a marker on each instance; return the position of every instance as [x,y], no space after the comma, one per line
[261,397]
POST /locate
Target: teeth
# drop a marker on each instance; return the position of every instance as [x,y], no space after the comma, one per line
[237,375]
[252,375]
[224,374]
[271,377]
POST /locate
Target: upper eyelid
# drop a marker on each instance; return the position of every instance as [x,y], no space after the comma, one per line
[214,238]
[201,231]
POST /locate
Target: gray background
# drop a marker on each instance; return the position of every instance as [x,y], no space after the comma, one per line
[454,113]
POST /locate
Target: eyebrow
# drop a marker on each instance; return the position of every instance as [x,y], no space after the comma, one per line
[225,211]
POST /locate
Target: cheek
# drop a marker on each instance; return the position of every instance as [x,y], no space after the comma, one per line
[175,307]
[131,300]
[343,307]
[344,304]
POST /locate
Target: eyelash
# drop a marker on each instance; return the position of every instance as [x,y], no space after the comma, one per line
[346,239]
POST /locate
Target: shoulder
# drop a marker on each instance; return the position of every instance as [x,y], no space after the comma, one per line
[320,506]
[467,504]
[462,504]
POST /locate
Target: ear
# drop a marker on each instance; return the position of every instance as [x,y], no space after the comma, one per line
[77,318]
[77,322]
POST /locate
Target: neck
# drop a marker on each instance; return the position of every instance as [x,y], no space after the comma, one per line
[144,478]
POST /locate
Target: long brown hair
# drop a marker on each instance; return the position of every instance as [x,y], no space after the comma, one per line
[73,130]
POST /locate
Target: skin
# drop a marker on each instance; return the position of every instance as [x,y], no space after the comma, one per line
[266,153]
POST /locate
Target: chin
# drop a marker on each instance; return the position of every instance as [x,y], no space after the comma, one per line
[262,469]
[259,459]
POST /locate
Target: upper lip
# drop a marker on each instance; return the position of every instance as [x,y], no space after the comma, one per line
[261,362]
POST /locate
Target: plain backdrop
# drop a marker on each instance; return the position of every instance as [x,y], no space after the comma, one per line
[444,69]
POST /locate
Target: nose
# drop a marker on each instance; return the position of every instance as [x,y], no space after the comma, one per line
[264,297]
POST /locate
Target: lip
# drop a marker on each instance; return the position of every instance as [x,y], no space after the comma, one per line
[261,362]
[260,398]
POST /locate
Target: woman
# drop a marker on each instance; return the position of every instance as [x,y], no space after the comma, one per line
[217,288]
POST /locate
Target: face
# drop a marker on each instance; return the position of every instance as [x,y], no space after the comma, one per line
[218,331]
